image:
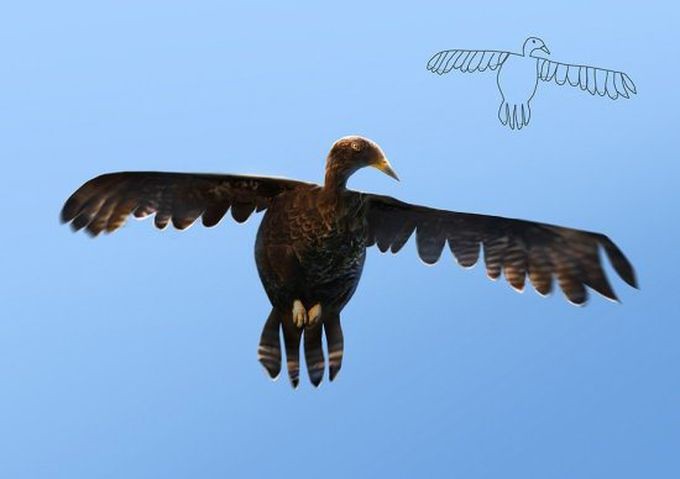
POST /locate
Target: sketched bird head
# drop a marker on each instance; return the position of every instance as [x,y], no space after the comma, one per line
[532,44]
[351,153]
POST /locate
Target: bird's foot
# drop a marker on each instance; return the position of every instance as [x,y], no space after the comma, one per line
[314,314]
[300,317]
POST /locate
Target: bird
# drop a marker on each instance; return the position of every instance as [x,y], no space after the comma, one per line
[518,75]
[311,244]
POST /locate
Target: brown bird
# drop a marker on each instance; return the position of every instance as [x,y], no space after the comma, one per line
[312,241]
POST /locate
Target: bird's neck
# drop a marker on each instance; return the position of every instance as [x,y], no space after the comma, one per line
[335,182]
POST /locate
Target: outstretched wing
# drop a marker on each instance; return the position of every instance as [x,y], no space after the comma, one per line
[596,81]
[514,247]
[105,202]
[466,60]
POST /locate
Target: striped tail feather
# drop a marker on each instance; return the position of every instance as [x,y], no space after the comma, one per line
[269,350]
[291,337]
[335,341]
[316,363]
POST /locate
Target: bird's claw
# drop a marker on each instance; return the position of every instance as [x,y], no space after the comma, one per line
[302,317]
[314,314]
[299,314]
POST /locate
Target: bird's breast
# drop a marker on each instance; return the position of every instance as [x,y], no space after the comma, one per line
[518,79]
[326,235]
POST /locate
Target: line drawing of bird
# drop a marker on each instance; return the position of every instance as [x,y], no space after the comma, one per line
[518,75]
[311,243]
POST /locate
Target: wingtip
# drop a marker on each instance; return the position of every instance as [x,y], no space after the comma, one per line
[63,219]
[631,85]
[69,211]
[631,280]
[621,264]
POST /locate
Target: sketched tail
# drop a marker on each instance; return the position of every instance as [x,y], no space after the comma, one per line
[514,115]
[269,350]
[335,341]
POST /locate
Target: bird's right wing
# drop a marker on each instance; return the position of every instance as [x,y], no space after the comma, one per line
[515,247]
[104,203]
[594,80]
[466,60]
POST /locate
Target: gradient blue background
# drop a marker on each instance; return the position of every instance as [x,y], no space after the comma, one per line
[134,355]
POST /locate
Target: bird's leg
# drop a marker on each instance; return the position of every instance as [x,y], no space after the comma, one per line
[299,313]
[314,314]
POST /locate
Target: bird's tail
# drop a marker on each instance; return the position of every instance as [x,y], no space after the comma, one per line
[515,115]
[269,351]
[291,337]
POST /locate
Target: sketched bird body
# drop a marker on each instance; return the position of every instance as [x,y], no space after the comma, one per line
[518,75]
[517,81]
[311,245]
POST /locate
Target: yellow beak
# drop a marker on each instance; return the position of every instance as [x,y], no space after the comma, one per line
[384,166]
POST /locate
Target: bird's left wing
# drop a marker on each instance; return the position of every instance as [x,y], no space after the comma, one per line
[466,60]
[105,202]
[515,247]
[594,80]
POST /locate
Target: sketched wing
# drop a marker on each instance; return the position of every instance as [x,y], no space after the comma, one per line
[515,247]
[594,80]
[466,60]
[105,202]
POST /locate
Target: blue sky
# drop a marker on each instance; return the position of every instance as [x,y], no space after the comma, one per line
[134,355]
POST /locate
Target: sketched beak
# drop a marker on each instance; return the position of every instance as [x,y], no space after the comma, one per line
[384,166]
[545,49]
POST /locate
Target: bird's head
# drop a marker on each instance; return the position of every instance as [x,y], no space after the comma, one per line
[532,44]
[350,154]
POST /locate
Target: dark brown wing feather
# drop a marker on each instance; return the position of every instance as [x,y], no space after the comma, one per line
[105,202]
[516,248]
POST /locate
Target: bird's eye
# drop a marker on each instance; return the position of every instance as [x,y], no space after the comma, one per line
[533,41]
[356,146]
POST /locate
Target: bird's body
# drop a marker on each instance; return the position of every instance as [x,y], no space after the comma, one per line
[311,244]
[517,82]
[310,247]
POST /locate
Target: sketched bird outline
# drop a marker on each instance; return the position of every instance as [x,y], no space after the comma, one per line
[526,69]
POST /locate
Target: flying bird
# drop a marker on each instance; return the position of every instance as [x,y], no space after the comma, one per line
[518,76]
[311,243]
